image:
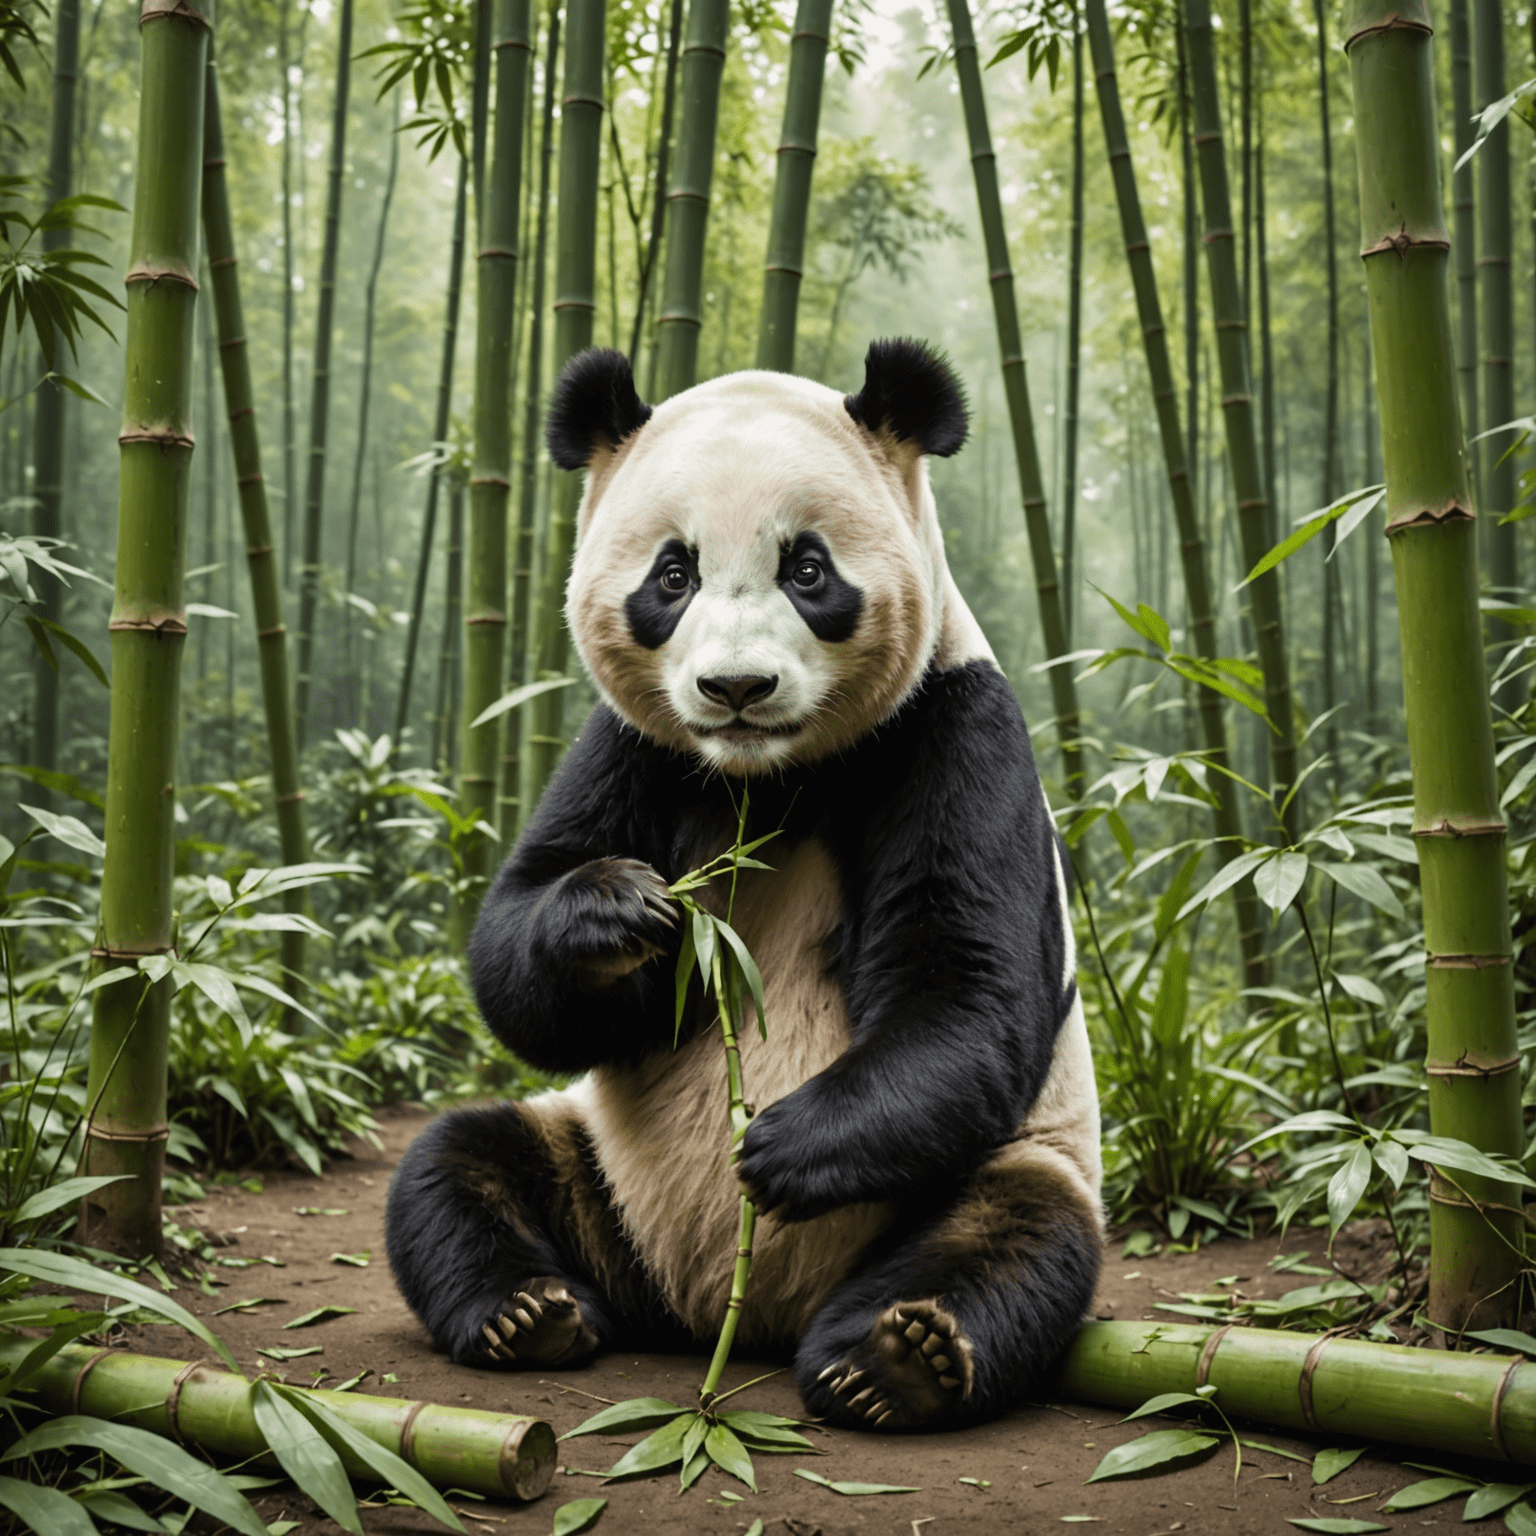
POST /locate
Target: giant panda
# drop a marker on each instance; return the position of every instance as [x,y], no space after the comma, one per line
[761,596]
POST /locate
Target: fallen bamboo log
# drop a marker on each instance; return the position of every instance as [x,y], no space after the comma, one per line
[500,1455]
[1471,1405]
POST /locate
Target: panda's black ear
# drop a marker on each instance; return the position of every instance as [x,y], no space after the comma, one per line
[911,392]
[595,406]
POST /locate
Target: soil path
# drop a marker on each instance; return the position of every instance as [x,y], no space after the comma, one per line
[1035,1460]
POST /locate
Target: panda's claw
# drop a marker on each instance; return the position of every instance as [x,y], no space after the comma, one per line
[507,1326]
[949,1381]
[831,1370]
[542,1324]
[524,1319]
[914,1333]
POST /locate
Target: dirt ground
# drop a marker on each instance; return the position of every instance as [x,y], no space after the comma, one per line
[1034,1462]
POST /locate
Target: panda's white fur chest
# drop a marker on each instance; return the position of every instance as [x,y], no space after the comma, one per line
[661,1130]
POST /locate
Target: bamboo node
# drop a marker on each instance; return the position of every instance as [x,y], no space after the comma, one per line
[161,440]
[1208,1354]
[79,1381]
[408,1433]
[133,1138]
[150,272]
[496,250]
[1402,242]
[1445,827]
[485,618]
[223,261]
[1495,1424]
[1132,249]
[298,794]
[234,416]
[804,149]
[1392,23]
[102,952]
[790,271]
[173,1398]
[1452,512]
[815,37]
[277,629]
[216,165]
[171,10]
[506,485]
[1227,400]
[1466,963]
[1468,1065]
[1304,1381]
[582,101]
[167,624]
[672,317]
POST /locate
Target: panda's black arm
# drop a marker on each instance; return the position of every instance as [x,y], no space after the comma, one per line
[580,892]
[953,962]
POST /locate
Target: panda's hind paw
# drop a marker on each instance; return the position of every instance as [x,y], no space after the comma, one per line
[541,1323]
[911,1370]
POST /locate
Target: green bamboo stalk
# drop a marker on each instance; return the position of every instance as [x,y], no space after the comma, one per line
[663,159]
[1331,393]
[1456,1405]
[581,135]
[1495,301]
[1197,587]
[320,388]
[1016,383]
[126,1089]
[785,262]
[510,810]
[497,1455]
[484,13]
[1069,425]
[678,325]
[364,400]
[290,479]
[485,617]
[1190,263]
[439,435]
[1465,245]
[1474,1059]
[445,714]
[48,414]
[1237,408]
[266,592]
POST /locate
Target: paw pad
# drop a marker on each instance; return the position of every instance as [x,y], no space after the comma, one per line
[540,1324]
[913,1367]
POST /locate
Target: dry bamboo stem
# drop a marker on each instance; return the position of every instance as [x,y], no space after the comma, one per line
[500,1455]
[1468,1405]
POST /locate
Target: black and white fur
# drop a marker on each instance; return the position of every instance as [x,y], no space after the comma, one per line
[761,594]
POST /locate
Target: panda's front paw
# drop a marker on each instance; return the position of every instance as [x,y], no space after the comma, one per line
[780,1167]
[607,918]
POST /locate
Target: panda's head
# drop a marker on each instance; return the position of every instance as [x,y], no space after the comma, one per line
[759,576]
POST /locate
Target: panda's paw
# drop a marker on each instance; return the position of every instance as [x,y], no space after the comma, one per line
[539,1324]
[909,1373]
[609,916]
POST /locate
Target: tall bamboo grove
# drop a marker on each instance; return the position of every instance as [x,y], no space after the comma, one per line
[1237,404]
[1197,584]
[1005,310]
[784,265]
[1474,1060]
[485,618]
[682,290]
[126,1088]
[581,139]
[261,558]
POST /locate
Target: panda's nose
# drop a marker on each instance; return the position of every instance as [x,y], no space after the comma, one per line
[738,692]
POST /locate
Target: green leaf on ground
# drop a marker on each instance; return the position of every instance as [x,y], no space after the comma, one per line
[1332,1460]
[320,1210]
[1520,1519]
[852,1488]
[46,1509]
[623,1418]
[306,1457]
[1432,1490]
[318,1315]
[1507,1338]
[1161,1404]
[280,1352]
[1162,1448]
[1274,1450]
[729,1454]
[579,1515]
[1491,1498]
[118,1509]
[356,1260]
[248,1303]
[662,1449]
[1331,1527]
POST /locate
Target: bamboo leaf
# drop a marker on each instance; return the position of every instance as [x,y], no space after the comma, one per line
[43,1351]
[78,1275]
[1507,1338]
[1432,1490]
[118,1509]
[318,1315]
[1444,1152]
[68,829]
[151,1456]
[305,1456]
[730,1455]
[685,960]
[1347,1186]
[749,970]
[1162,1448]
[1520,1519]
[67,1192]
[656,1451]
[579,1515]
[1392,1159]
[704,946]
[394,1471]
[1332,1527]
[1366,882]
[624,1418]
[1224,879]
[1278,881]
[519,696]
[1161,1404]
[279,1352]
[46,1509]
[71,643]
[693,1451]
[1493,1497]
[693,1469]
[852,1489]
[218,986]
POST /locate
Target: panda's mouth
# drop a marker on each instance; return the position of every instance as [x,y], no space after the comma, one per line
[740,730]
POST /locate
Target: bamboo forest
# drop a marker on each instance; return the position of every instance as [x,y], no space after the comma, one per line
[330,491]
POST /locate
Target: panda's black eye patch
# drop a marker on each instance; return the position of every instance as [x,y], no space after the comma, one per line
[655,606]
[808,577]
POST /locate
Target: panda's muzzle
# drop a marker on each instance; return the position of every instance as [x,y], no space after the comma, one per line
[738,692]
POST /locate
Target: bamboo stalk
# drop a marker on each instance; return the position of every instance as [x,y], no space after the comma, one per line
[678,325]
[510,811]
[1465,245]
[1454,1404]
[499,1455]
[290,496]
[784,263]
[485,613]
[130,1033]
[1237,407]
[320,384]
[1330,566]
[581,131]
[261,562]
[1072,403]
[1474,1057]
[439,435]
[48,414]
[1016,384]
[448,662]
[1197,586]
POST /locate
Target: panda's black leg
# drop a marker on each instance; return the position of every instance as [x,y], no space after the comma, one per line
[502,1240]
[964,1318]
